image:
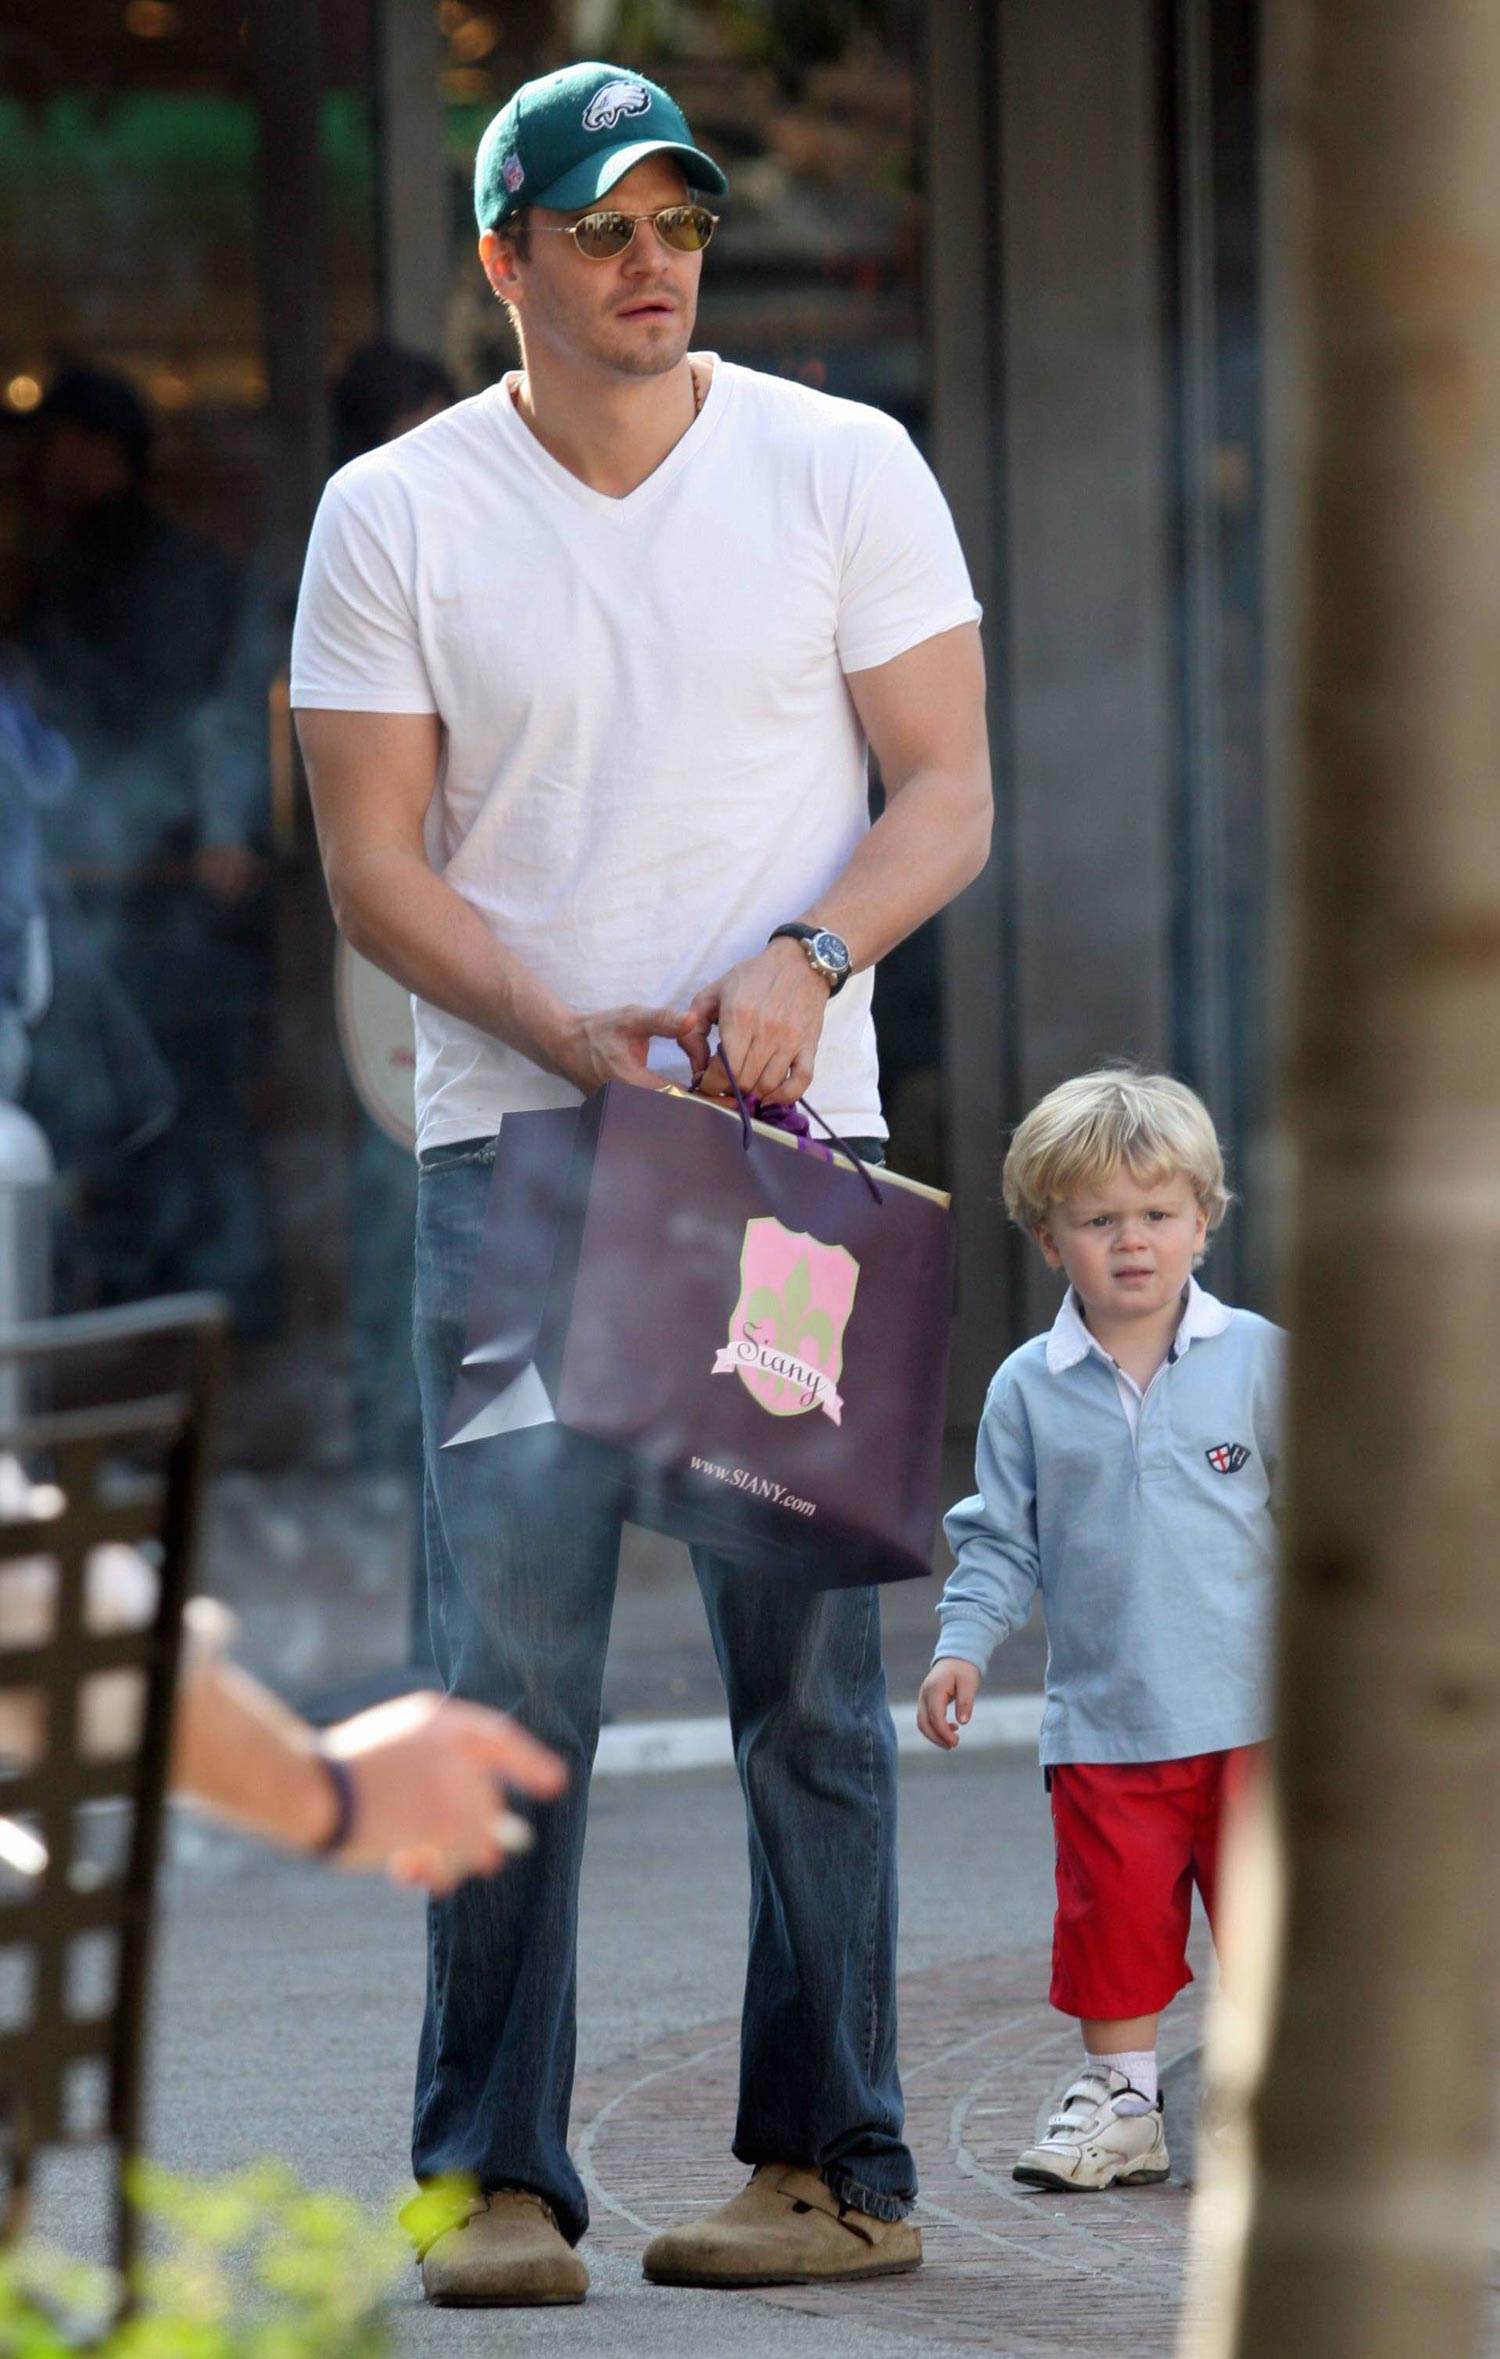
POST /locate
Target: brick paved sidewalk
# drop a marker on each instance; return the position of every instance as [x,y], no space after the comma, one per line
[1007,2269]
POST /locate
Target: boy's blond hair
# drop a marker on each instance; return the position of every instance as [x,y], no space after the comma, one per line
[1087,1128]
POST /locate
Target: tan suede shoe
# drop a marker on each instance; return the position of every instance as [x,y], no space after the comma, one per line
[508,2255]
[785,2228]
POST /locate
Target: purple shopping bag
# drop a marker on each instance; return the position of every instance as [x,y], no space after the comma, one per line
[748,1343]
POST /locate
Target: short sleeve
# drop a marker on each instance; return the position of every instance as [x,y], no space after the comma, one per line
[903,577]
[355,645]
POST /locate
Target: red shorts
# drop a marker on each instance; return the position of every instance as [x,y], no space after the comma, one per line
[1133,1837]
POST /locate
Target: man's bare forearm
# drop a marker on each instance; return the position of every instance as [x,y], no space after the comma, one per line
[406,920]
[371,776]
[931,840]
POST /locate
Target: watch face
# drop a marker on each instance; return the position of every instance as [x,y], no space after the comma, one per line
[831,952]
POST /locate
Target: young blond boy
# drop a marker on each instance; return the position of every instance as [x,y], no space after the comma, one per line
[1126,1468]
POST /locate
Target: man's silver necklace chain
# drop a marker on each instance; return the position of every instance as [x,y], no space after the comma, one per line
[698,379]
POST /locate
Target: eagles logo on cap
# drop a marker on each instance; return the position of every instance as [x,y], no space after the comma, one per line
[616,100]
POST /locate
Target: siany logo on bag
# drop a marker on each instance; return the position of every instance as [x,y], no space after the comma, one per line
[616,99]
[786,1333]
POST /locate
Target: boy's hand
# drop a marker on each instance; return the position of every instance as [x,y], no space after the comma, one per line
[950,1681]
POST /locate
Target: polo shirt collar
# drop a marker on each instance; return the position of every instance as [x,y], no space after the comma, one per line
[1071,1340]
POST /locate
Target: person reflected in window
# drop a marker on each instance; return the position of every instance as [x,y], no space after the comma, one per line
[383,390]
[152,655]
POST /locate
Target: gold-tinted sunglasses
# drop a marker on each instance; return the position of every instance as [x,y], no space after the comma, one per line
[601,236]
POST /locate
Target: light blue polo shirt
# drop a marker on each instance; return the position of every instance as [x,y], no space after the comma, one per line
[1154,1550]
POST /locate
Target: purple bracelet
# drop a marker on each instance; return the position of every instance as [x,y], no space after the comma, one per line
[342,1782]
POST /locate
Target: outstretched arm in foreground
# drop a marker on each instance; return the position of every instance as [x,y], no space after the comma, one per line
[425,1772]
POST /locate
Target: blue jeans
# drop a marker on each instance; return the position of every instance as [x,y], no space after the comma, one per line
[521,1570]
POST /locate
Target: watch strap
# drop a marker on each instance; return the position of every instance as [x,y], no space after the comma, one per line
[807,935]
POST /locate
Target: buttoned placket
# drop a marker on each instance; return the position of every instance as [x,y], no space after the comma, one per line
[1202,1316]
[1153,1447]
[1122,1376]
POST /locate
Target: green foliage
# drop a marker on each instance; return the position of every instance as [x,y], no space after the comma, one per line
[438,2206]
[795,37]
[252,2266]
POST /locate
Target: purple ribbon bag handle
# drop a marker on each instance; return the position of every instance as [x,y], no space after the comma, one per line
[793,1120]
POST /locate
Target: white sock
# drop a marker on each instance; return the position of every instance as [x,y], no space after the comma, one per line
[1139,2068]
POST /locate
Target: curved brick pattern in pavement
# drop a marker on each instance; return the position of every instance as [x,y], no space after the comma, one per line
[1007,2270]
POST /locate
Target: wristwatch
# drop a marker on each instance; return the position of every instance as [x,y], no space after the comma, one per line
[827,954]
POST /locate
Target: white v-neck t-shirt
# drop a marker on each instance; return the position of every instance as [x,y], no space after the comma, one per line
[650,755]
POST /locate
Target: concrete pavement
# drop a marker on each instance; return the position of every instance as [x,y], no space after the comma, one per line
[287,2008]
[288,1999]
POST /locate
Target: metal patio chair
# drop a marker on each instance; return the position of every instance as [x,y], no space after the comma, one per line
[103,1429]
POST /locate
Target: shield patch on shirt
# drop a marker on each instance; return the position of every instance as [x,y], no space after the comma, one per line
[1227,1457]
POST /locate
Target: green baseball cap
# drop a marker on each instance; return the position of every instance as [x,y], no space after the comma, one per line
[566,138]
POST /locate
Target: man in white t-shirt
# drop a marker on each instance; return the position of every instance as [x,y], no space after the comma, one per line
[587,671]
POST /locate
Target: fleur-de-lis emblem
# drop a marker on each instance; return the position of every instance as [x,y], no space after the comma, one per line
[790,1319]
[786,1332]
